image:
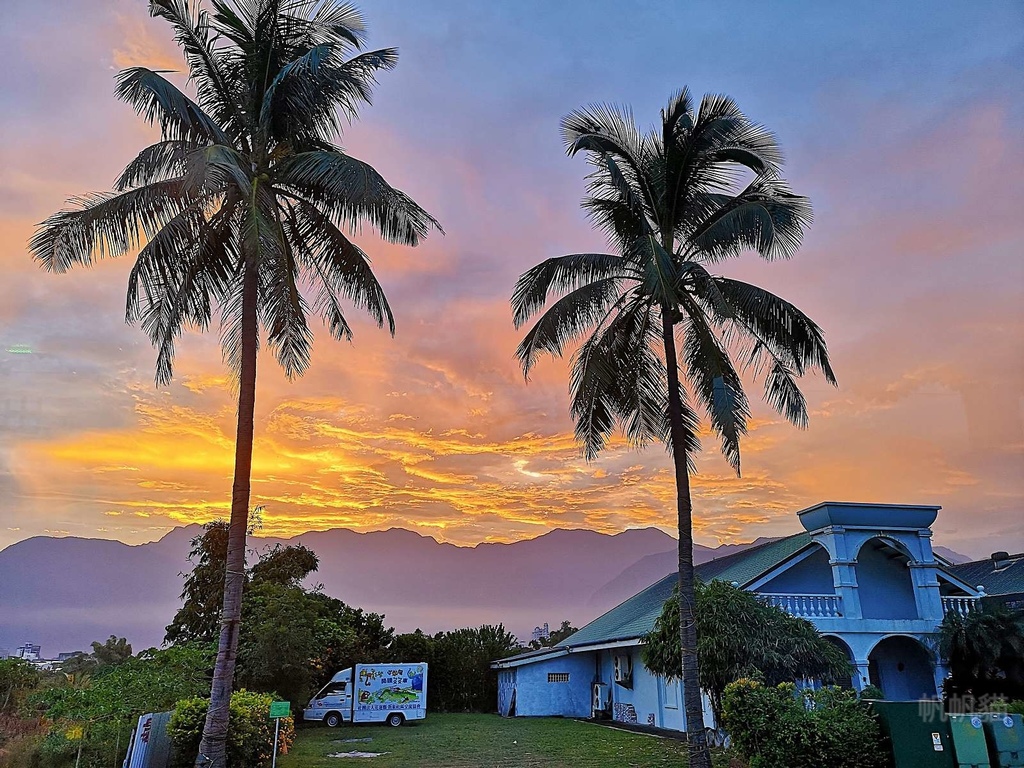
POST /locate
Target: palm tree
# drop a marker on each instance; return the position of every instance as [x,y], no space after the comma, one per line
[240,210]
[701,187]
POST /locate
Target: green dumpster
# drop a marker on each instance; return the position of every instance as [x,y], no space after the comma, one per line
[1005,739]
[917,731]
[969,742]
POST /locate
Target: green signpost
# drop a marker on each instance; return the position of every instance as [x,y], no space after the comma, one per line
[278,709]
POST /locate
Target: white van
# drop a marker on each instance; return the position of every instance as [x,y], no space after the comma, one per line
[372,693]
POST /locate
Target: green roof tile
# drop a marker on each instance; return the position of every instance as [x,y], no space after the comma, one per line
[636,616]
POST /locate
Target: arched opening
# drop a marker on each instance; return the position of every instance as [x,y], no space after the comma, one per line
[902,668]
[839,643]
[883,581]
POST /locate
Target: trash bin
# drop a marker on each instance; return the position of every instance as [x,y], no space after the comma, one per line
[918,732]
[969,742]
[1005,739]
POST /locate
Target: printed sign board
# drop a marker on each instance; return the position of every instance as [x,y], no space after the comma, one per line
[280,709]
[390,688]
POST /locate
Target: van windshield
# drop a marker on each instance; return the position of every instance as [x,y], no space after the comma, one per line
[331,689]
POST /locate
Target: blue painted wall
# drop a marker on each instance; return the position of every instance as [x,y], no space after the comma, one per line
[902,669]
[535,696]
[884,585]
[811,576]
[642,700]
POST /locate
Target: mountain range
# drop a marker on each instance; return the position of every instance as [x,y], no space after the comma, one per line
[63,593]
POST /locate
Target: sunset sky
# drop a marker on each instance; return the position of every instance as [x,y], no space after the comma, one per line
[902,123]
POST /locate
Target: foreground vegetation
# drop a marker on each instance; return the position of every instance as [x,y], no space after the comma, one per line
[489,740]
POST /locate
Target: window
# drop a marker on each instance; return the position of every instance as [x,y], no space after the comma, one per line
[558,677]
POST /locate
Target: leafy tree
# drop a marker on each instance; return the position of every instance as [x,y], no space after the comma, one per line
[742,637]
[292,639]
[412,646]
[16,677]
[554,638]
[673,206]
[984,651]
[92,713]
[114,651]
[461,678]
[202,596]
[239,209]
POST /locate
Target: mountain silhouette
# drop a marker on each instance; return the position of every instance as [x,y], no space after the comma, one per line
[63,593]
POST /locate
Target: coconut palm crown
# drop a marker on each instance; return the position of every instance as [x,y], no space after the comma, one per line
[241,211]
[675,202]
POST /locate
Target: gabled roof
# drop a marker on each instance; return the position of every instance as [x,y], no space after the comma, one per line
[1003,581]
[745,566]
[630,619]
[636,616]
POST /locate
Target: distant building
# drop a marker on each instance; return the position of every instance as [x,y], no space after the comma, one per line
[71,655]
[863,574]
[28,652]
[541,633]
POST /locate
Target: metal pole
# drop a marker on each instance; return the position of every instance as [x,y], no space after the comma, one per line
[277,727]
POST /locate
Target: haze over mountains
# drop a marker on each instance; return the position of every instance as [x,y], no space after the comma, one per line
[63,593]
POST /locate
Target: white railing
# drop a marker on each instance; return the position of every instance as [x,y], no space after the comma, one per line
[961,605]
[807,606]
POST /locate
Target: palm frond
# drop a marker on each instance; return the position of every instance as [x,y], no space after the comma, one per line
[790,335]
[716,384]
[156,100]
[567,319]
[352,192]
[107,224]
[562,274]
[342,268]
[765,217]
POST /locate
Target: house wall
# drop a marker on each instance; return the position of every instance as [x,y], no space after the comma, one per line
[811,576]
[535,696]
[640,702]
[884,586]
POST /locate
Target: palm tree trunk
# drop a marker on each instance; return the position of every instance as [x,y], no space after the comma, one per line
[212,748]
[700,757]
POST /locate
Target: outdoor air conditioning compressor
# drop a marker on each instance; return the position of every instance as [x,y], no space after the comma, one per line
[601,701]
[623,666]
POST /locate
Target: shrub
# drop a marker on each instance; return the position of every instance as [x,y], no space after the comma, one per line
[250,730]
[871,692]
[776,726]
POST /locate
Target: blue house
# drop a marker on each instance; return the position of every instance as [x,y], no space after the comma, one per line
[863,574]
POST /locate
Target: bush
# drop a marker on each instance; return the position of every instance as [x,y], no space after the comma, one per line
[250,730]
[777,726]
[872,692]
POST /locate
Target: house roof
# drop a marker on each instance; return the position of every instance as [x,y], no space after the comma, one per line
[636,616]
[746,565]
[1002,581]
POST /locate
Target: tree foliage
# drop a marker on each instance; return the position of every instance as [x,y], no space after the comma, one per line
[675,201]
[742,637]
[293,638]
[243,211]
[96,710]
[984,651]
[461,678]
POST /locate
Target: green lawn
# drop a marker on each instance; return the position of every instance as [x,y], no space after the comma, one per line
[479,741]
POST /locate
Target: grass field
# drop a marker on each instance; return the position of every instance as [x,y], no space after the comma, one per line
[483,741]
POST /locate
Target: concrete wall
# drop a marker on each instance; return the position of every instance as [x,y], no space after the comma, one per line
[884,585]
[811,576]
[535,696]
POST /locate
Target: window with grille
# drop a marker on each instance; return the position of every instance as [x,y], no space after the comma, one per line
[558,677]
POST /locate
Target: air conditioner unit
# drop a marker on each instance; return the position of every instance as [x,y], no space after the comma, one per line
[623,666]
[600,699]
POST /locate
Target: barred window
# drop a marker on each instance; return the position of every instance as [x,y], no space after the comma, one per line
[558,677]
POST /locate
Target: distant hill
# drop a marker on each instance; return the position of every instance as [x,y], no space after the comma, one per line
[64,593]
